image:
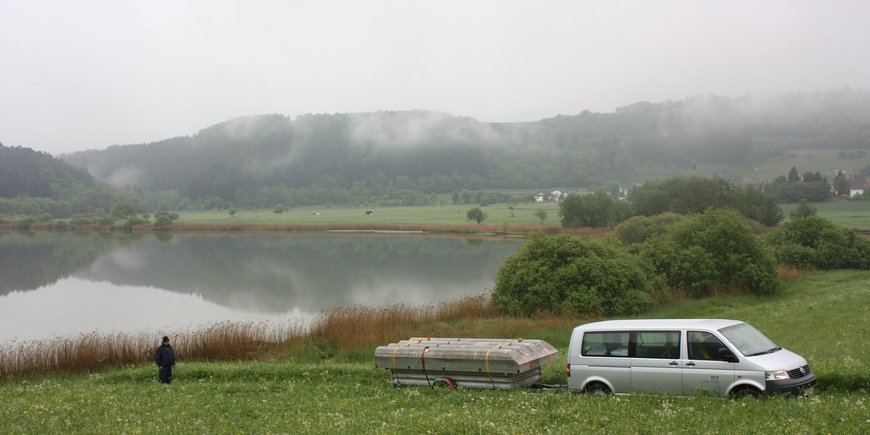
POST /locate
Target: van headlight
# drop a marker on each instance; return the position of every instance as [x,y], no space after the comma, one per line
[776,375]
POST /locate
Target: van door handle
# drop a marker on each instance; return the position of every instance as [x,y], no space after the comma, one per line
[690,364]
[674,363]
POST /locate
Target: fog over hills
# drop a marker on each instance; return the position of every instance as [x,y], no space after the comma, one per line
[438,152]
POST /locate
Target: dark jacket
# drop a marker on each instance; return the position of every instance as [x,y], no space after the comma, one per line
[164,356]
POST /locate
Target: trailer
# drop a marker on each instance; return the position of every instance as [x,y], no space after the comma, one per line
[492,363]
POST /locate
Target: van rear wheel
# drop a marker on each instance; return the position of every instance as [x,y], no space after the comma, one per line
[597,388]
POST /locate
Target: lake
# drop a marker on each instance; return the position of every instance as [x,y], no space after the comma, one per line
[65,284]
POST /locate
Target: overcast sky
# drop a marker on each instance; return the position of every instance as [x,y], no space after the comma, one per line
[88,74]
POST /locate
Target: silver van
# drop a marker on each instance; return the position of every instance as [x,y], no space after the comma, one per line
[683,356]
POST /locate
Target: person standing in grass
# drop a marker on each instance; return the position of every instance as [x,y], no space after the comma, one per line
[164,356]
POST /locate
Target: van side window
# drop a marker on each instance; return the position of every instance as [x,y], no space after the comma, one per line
[704,346]
[605,344]
[657,344]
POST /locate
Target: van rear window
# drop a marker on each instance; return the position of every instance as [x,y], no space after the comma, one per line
[605,344]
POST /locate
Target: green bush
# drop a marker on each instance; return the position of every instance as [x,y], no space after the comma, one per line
[25,223]
[595,210]
[715,250]
[574,276]
[640,228]
[813,241]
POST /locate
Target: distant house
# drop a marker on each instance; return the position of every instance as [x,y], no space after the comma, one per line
[556,195]
[539,197]
[858,187]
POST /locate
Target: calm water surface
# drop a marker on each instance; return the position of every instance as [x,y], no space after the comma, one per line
[62,284]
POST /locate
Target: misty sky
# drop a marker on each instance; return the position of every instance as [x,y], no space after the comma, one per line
[88,74]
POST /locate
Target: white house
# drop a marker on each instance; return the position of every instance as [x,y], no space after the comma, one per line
[539,197]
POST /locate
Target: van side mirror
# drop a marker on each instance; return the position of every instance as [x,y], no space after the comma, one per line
[727,355]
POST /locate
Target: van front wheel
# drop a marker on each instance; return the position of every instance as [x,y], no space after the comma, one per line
[597,388]
[747,391]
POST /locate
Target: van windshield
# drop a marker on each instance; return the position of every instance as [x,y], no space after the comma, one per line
[748,340]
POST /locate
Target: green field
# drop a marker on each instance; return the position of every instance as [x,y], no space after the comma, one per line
[500,214]
[824,317]
[850,214]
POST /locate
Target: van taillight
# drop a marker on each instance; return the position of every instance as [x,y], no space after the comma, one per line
[568,369]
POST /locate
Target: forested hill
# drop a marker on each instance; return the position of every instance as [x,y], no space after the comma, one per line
[436,152]
[33,182]
[24,171]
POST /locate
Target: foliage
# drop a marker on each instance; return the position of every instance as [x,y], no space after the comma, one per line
[595,210]
[541,214]
[476,214]
[233,211]
[813,241]
[163,219]
[574,276]
[33,183]
[802,210]
[640,228]
[132,221]
[696,194]
[279,209]
[809,186]
[714,250]
[25,223]
[841,184]
[122,210]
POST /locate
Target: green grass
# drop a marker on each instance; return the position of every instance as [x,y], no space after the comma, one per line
[850,214]
[523,214]
[824,317]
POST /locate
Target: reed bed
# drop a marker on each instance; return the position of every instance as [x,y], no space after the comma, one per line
[355,327]
[348,329]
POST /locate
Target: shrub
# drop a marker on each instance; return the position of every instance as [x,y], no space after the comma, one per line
[574,276]
[595,210]
[25,223]
[803,210]
[640,228]
[715,250]
[813,241]
[163,219]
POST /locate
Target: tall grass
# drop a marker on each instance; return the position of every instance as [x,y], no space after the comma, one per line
[93,351]
[343,328]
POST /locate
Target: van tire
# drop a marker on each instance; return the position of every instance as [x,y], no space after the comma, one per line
[745,391]
[597,389]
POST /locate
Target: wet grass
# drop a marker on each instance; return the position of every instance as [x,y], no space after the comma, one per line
[822,316]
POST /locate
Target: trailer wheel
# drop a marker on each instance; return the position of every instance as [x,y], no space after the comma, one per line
[597,388]
[444,382]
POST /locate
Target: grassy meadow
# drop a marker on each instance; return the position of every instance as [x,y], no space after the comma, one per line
[822,316]
[850,214]
[497,215]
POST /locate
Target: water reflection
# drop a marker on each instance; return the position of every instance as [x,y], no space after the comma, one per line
[67,283]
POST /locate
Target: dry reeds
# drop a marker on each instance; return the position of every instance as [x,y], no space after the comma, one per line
[346,328]
[355,327]
[787,273]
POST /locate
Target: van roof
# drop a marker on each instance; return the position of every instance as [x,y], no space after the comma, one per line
[659,324]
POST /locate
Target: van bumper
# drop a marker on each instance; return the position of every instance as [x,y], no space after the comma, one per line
[803,386]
